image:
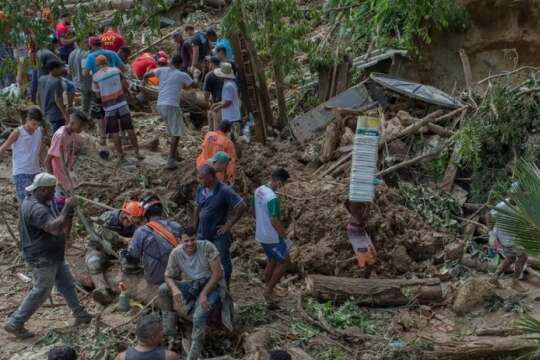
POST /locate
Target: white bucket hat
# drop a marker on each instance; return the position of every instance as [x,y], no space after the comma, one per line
[42,180]
[225,71]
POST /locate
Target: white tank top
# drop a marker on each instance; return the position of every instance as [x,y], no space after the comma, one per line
[26,152]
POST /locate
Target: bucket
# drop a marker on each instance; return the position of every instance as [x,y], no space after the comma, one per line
[364,160]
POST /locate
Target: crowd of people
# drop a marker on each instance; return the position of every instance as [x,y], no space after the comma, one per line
[189,264]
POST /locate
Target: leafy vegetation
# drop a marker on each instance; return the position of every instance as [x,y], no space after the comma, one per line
[252,315]
[341,317]
[437,208]
[331,354]
[393,23]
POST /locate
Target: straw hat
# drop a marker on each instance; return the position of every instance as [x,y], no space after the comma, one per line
[225,71]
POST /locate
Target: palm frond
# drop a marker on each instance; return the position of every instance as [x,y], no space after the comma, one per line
[521,218]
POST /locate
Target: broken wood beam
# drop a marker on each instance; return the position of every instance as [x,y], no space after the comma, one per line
[374,292]
[439,130]
[481,348]
[424,157]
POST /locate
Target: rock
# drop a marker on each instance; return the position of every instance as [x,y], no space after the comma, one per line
[459,194]
[428,245]
[400,259]
[347,138]
[405,118]
[472,294]
[392,128]
[454,250]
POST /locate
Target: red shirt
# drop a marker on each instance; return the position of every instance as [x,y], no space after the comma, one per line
[112,41]
[143,64]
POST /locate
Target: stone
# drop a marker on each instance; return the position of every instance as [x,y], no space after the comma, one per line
[471,294]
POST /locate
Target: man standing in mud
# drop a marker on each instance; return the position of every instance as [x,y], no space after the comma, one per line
[215,201]
[42,231]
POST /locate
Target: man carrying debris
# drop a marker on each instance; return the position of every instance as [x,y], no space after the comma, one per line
[153,242]
[116,227]
[215,201]
[194,281]
[216,142]
[270,231]
[172,81]
[363,248]
[149,333]
[43,245]
[504,245]
[111,85]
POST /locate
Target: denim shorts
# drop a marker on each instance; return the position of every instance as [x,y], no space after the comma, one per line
[21,181]
[278,252]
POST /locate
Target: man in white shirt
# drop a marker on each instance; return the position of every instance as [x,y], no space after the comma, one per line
[230,98]
[270,231]
[171,83]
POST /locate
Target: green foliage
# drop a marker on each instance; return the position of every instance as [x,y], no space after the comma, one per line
[253,315]
[532,327]
[342,317]
[28,17]
[393,23]
[521,218]
[438,208]
[331,353]
[437,167]
[498,128]
[304,332]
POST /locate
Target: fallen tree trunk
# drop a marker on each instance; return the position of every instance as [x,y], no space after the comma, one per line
[377,292]
[481,348]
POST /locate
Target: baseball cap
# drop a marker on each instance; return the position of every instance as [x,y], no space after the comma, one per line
[42,180]
[220,157]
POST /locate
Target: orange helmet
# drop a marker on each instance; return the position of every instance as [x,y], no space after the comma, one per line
[133,208]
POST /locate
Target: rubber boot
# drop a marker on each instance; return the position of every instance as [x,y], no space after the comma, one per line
[102,295]
[170,320]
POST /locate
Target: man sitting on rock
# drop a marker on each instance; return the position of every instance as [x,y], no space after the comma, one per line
[114,231]
[194,280]
[153,242]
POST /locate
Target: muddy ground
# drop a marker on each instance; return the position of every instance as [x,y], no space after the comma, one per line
[316,221]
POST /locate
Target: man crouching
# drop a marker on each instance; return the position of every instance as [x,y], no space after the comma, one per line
[194,280]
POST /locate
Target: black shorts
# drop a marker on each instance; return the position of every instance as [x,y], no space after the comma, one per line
[96,110]
[118,120]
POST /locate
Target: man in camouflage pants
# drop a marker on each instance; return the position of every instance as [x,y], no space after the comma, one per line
[115,229]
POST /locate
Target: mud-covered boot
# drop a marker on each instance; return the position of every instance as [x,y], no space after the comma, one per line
[102,296]
[170,320]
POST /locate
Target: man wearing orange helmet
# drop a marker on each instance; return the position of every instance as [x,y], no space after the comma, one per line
[115,229]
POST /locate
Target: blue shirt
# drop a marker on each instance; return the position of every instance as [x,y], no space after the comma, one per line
[225,43]
[153,249]
[113,59]
[214,209]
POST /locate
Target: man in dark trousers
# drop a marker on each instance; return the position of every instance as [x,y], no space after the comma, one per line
[43,246]
[215,202]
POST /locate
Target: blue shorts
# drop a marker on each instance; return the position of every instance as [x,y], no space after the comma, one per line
[278,252]
[21,182]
